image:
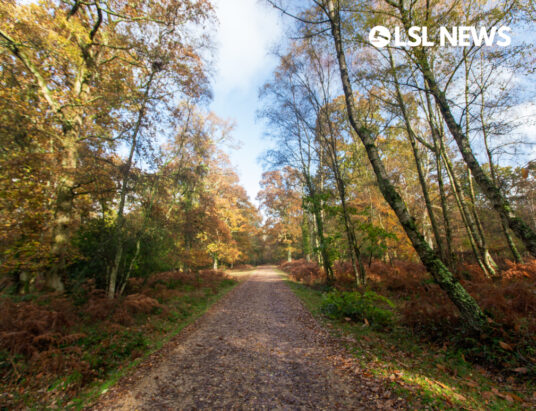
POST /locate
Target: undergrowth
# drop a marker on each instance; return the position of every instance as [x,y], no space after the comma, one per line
[54,348]
[367,307]
[427,375]
[423,315]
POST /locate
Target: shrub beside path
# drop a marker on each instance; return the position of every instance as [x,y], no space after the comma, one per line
[259,348]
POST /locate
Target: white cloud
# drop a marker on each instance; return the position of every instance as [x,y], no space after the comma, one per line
[247,29]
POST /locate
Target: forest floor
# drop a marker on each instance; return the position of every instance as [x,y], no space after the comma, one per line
[62,351]
[428,375]
[258,348]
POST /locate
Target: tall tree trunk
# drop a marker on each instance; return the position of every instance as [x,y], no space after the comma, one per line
[422,180]
[357,259]
[316,242]
[482,244]
[326,261]
[467,216]
[329,143]
[306,236]
[467,306]
[289,254]
[130,266]
[444,204]
[464,212]
[120,221]
[436,149]
[355,253]
[63,214]
[504,223]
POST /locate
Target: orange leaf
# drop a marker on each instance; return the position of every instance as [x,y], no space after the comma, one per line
[506,346]
[516,397]
[442,385]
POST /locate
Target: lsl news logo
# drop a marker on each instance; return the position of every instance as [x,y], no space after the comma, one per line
[380,36]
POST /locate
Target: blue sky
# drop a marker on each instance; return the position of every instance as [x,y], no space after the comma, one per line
[246,32]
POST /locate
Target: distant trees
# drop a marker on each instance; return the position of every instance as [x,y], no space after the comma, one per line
[280,197]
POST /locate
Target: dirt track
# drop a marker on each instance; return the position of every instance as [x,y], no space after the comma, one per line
[258,349]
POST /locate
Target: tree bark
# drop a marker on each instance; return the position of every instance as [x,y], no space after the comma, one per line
[317,213]
[464,212]
[306,236]
[444,204]
[489,262]
[504,223]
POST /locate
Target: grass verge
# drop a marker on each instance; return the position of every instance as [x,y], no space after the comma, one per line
[170,329]
[427,376]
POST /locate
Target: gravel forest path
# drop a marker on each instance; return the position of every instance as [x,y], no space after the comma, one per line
[258,348]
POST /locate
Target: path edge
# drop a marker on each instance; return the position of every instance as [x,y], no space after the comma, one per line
[155,359]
